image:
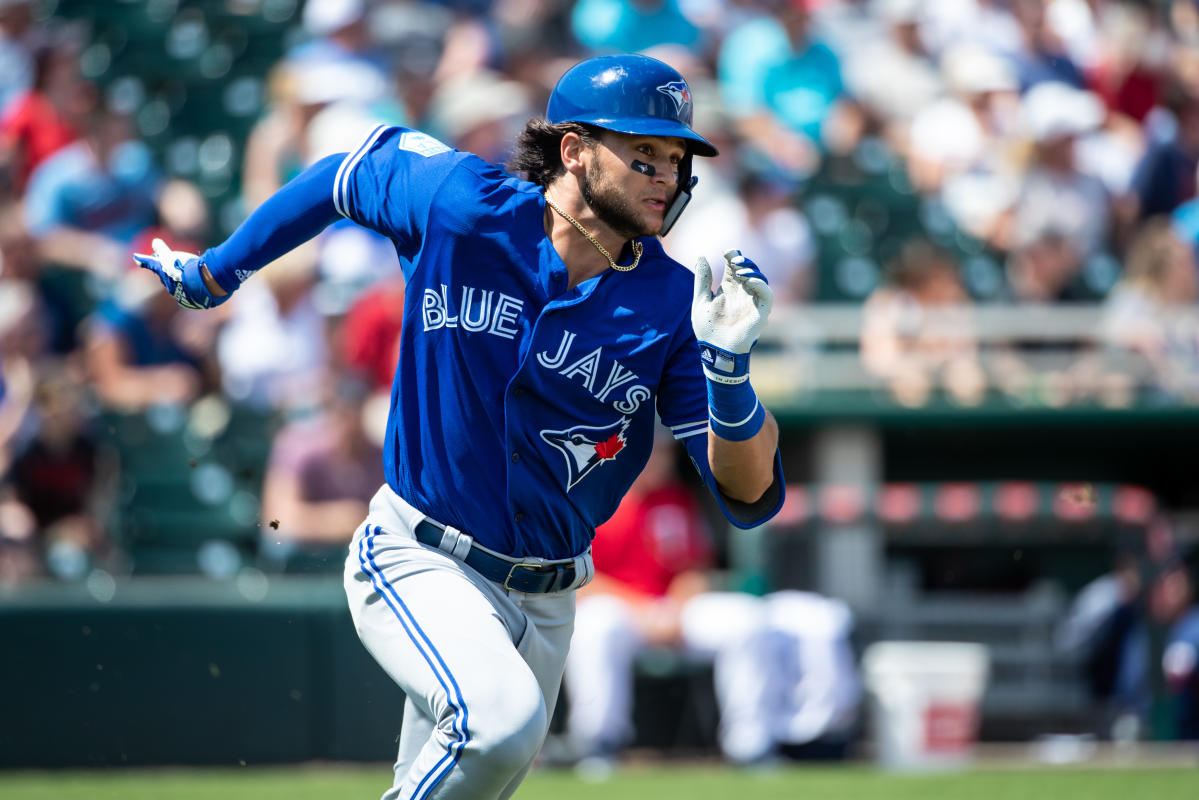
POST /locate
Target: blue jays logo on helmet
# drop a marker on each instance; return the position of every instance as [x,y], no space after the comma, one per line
[587,447]
[680,94]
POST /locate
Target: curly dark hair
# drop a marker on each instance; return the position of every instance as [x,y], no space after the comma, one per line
[538,155]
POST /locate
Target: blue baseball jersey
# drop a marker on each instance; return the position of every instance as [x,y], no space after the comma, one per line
[522,410]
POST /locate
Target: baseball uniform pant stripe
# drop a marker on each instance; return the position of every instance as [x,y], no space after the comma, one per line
[347,166]
[366,558]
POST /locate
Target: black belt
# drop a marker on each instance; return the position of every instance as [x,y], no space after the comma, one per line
[530,577]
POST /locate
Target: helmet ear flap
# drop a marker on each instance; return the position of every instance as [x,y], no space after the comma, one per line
[682,195]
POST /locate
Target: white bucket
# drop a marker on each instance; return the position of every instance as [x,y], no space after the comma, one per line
[925,701]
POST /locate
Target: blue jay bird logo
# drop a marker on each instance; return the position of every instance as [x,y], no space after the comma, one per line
[679,93]
[586,447]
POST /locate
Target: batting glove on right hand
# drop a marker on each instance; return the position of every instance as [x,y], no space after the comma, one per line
[728,323]
[180,274]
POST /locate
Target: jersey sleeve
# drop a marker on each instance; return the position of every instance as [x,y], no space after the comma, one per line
[389,182]
[683,407]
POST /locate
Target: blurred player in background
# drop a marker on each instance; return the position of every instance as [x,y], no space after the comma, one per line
[785,677]
[545,332]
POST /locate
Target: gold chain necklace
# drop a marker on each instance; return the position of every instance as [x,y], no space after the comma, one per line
[603,250]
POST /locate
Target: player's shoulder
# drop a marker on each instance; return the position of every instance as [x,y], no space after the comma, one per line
[414,149]
[461,183]
[672,275]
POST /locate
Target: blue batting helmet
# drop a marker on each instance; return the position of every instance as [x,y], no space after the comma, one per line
[627,93]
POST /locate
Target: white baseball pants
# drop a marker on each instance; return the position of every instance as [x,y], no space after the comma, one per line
[480,665]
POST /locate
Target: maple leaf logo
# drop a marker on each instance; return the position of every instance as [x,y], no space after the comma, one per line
[608,448]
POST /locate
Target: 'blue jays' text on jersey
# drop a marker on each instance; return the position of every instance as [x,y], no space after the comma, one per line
[521,410]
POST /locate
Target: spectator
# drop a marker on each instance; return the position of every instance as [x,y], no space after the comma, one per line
[917,333]
[1041,56]
[783,672]
[782,85]
[322,473]
[1174,605]
[1102,631]
[340,36]
[1147,312]
[16,49]
[65,480]
[43,120]
[631,26]
[87,202]
[142,350]
[1055,197]
[1165,177]
[1127,68]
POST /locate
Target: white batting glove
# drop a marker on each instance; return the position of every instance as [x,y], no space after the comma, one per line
[180,275]
[728,323]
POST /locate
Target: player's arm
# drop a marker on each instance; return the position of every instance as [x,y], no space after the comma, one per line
[745,470]
[293,215]
[743,436]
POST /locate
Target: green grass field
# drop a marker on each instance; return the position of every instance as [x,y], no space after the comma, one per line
[656,783]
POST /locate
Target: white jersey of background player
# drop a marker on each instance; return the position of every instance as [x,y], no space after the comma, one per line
[544,330]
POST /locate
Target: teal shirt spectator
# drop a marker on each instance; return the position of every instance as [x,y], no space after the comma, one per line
[629,27]
[760,70]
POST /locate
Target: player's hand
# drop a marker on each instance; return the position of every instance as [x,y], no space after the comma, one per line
[180,275]
[728,323]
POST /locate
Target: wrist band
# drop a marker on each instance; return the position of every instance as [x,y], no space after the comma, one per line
[227,279]
[734,412]
[723,366]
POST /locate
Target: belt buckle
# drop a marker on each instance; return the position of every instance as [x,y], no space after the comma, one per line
[531,566]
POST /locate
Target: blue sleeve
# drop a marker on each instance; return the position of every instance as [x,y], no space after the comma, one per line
[389,184]
[291,216]
[683,407]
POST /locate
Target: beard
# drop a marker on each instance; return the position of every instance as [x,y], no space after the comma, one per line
[611,207]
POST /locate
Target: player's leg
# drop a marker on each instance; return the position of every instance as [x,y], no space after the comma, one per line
[543,647]
[730,628]
[599,679]
[818,704]
[415,732]
[447,639]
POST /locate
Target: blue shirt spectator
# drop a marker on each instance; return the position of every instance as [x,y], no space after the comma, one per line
[1165,176]
[91,187]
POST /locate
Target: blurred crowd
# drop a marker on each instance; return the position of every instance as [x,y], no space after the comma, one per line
[1057,140]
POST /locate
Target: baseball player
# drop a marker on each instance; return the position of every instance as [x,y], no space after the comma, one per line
[545,328]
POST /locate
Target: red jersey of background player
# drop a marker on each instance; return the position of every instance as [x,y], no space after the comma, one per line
[652,537]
